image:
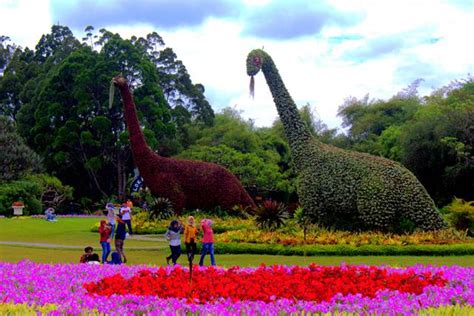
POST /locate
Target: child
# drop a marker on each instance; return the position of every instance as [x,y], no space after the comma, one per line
[104,231]
[190,232]
[207,242]
[174,238]
[120,236]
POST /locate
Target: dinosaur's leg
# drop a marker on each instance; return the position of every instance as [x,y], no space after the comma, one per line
[166,186]
[311,198]
[377,203]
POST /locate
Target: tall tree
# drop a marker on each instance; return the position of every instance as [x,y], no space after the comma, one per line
[76,131]
[16,157]
[438,144]
[15,86]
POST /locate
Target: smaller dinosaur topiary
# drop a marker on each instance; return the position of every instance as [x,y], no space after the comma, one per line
[187,184]
[343,188]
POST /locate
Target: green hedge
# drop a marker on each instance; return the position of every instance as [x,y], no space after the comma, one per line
[345,250]
[161,228]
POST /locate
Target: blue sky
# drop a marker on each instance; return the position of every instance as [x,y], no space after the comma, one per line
[326,51]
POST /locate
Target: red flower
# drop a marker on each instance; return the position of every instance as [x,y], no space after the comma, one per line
[315,283]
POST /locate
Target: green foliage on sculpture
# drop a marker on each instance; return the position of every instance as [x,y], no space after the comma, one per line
[346,189]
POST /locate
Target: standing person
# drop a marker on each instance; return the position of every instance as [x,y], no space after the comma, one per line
[207,242]
[111,218]
[174,238]
[104,231]
[190,234]
[126,213]
[120,236]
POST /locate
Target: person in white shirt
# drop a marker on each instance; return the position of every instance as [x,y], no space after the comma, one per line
[126,213]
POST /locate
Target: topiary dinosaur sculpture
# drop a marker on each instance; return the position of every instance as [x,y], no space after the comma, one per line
[186,183]
[343,188]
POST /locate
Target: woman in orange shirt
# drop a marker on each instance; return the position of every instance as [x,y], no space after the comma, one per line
[190,237]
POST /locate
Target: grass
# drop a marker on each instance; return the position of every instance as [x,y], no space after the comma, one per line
[157,257]
[76,232]
[66,231]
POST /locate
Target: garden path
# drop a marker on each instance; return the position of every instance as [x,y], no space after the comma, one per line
[48,245]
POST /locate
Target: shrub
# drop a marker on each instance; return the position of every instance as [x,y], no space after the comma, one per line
[271,215]
[461,215]
[53,192]
[328,237]
[21,190]
[31,189]
[160,208]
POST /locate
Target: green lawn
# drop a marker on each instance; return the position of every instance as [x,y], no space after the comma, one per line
[76,232]
[66,231]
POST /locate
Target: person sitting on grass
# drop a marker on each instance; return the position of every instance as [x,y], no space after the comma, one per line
[89,255]
[94,259]
[49,215]
[115,258]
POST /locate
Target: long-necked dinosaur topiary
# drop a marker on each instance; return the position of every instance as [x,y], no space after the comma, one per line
[186,183]
[344,188]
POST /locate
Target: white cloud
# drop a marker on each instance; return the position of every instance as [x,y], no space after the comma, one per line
[429,39]
[25,21]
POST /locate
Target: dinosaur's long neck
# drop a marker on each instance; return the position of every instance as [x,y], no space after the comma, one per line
[296,131]
[142,154]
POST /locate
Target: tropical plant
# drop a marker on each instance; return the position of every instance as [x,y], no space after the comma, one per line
[160,208]
[271,214]
[461,215]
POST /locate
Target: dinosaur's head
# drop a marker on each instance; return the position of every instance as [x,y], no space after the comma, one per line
[119,81]
[254,61]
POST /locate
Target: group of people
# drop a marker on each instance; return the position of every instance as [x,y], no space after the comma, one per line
[92,258]
[190,230]
[114,228]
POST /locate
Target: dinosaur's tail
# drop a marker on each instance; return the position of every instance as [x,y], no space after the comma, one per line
[246,200]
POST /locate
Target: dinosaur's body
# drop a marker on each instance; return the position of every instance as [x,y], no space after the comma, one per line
[186,183]
[339,187]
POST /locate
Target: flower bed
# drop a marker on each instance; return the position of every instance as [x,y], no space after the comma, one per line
[315,283]
[271,290]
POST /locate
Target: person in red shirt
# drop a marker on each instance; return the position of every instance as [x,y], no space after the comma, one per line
[207,241]
[105,231]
